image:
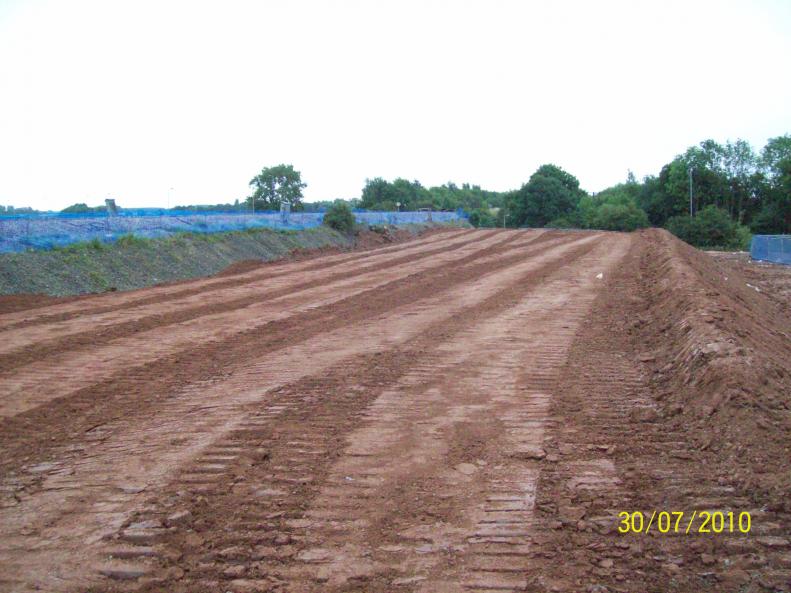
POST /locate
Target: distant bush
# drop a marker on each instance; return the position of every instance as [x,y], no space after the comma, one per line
[611,211]
[743,237]
[130,240]
[82,208]
[562,223]
[619,217]
[711,227]
[340,217]
[482,218]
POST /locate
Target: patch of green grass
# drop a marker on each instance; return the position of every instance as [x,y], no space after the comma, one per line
[98,280]
[81,247]
[131,240]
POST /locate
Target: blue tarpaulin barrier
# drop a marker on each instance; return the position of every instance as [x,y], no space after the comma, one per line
[45,231]
[771,248]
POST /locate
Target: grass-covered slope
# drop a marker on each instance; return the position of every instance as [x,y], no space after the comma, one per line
[134,263]
[131,262]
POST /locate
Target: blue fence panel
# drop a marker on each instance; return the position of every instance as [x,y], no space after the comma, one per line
[45,231]
[771,248]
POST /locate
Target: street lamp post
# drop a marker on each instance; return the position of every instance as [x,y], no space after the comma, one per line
[690,191]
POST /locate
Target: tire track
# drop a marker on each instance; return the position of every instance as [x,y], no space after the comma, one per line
[309,429]
[31,385]
[29,436]
[34,342]
[97,485]
[440,482]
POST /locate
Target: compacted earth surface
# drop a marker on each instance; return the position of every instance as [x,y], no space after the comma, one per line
[468,411]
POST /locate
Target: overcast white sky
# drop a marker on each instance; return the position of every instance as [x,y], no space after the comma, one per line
[128,99]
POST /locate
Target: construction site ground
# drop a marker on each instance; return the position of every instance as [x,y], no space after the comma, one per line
[467,411]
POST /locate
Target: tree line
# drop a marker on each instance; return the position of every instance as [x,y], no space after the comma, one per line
[713,194]
[11,210]
[283,184]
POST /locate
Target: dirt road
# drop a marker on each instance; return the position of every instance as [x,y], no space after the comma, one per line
[407,418]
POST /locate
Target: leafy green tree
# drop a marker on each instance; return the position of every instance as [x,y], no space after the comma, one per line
[770,220]
[482,218]
[783,191]
[320,205]
[340,217]
[650,198]
[774,217]
[411,194]
[738,164]
[613,209]
[673,191]
[378,192]
[619,217]
[776,151]
[550,193]
[274,186]
[722,175]
[468,197]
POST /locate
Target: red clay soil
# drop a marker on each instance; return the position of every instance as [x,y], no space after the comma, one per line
[462,412]
[362,241]
[697,420]
[773,280]
[10,303]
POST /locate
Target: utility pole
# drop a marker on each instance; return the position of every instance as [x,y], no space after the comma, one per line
[505,215]
[690,191]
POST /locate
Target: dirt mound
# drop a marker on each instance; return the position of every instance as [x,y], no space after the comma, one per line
[673,398]
[721,357]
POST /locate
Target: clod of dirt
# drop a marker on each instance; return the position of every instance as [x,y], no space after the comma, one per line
[179,517]
[530,452]
[466,468]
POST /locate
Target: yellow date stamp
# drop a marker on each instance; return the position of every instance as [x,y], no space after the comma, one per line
[685,522]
